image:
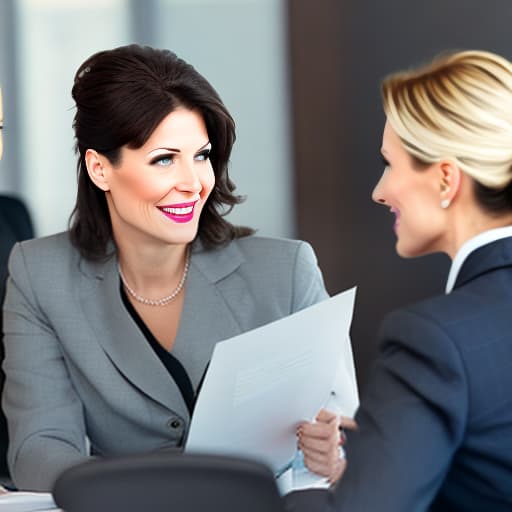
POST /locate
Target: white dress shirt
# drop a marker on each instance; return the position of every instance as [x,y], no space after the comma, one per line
[469,246]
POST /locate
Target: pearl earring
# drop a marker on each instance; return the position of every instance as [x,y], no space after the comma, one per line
[445,203]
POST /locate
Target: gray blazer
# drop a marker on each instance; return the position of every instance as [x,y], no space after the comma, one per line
[77,365]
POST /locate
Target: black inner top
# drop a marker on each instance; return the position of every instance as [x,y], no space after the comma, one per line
[173,366]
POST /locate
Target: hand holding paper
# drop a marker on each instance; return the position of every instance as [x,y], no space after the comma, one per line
[262,384]
[319,442]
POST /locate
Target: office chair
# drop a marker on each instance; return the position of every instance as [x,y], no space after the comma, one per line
[169,481]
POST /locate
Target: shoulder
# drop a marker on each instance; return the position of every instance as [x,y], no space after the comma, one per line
[47,245]
[266,243]
[280,249]
[426,334]
[253,254]
[426,326]
[272,270]
[464,316]
[449,334]
[50,253]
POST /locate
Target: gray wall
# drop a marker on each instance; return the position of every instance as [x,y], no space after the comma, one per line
[340,50]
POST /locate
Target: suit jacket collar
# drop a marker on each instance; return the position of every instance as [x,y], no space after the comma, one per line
[214,264]
[206,319]
[486,258]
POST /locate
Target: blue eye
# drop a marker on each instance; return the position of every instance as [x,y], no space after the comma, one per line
[163,160]
[203,155]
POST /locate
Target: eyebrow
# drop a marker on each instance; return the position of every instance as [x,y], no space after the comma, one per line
[176,150]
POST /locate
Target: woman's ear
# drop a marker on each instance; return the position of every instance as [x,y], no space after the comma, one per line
[449,182]
[96,168]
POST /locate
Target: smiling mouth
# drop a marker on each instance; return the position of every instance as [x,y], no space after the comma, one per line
[183,212]
[397,217]
[178,211]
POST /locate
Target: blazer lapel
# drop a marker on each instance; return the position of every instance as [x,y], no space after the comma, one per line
[207,317]
[487,258]
[122,340]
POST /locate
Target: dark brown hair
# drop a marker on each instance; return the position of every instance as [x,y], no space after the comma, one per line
[121,96]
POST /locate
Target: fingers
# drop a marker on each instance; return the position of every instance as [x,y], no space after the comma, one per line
[325,425]
[332,470]
[338,471]
[347,423]
[319,443]
[325,416]
[320,437]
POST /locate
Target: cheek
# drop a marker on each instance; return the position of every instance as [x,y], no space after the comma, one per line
[418,211]
[207,182]
[150,191]
[139,186]
[421,228]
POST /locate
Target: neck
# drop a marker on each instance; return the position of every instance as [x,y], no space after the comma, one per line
[152,272]
[473,225]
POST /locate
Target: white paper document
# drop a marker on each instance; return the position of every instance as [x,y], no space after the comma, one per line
[261,384]
[26,501]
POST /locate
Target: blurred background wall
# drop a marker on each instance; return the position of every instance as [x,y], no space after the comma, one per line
[339,51]
[301,78]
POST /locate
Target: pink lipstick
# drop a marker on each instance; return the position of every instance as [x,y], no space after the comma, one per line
[179,212]
[397,217]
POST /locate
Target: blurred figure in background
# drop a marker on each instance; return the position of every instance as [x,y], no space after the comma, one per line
[435,424]
[109,327]
[15,225]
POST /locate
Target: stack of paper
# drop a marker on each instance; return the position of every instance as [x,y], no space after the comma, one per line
[26,501]
[261,384]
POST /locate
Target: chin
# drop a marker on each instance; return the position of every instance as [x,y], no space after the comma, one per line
[185,237]
[408,252]
[413,252]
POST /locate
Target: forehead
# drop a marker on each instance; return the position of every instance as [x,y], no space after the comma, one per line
[392,145]
[179,128]
[390,138]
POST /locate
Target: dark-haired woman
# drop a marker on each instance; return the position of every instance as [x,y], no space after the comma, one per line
[109,327]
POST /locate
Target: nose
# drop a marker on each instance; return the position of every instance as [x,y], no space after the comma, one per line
[378,192]
[189,178]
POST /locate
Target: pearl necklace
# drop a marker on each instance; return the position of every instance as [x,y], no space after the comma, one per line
[164,300]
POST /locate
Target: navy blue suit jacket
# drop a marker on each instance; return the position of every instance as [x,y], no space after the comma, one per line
[435,424]
[15,225]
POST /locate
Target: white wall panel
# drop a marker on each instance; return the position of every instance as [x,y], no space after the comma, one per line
[54,37]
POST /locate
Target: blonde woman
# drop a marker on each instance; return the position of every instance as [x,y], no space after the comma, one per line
[435,425]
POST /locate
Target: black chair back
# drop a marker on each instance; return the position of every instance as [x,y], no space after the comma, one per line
[168,482]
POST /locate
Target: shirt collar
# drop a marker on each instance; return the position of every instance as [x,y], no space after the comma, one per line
[469,246]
